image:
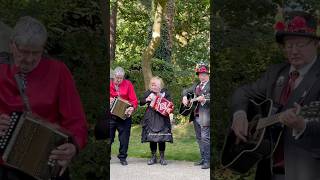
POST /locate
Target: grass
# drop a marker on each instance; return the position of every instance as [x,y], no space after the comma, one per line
[184,146]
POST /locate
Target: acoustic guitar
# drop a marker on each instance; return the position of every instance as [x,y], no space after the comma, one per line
[193,104]
[260,143]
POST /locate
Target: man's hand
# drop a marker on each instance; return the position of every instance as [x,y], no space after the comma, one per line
[290,118]
[63,154]
[240,126]
[111,100]
[4,123]
[129,111]
[201,99]
[185,101]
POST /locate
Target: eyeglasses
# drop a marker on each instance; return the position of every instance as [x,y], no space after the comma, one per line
[298,45]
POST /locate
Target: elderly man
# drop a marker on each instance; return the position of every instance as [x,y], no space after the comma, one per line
[291,84]
[50,89]
[201,115]
[122,88]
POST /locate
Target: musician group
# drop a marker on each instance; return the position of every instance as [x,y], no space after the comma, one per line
[156,123]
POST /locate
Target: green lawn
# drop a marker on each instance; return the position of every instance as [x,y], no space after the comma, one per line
[184,146]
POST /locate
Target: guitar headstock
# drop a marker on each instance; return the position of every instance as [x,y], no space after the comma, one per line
[311,112]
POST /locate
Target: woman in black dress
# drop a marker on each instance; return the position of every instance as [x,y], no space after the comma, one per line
[156,128]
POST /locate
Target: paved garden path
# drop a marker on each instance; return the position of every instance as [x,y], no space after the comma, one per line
[137,169]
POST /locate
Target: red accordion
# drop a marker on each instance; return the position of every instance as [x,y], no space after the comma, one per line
[161,104]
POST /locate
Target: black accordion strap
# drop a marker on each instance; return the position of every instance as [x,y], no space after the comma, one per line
[20,79]
[6,58]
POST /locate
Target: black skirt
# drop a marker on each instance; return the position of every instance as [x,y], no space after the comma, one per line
[155,127]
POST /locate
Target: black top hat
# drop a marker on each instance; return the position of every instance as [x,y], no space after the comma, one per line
[296,23]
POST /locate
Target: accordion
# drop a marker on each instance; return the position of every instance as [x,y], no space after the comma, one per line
[118,107]
[161,104]
[28,143]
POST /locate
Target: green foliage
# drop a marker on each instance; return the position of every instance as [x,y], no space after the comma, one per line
[92,162]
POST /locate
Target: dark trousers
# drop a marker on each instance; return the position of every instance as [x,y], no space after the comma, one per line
[153,146]
[203,139]
[8,173]
[123,127]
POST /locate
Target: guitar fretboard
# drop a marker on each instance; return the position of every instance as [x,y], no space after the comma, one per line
[268,121]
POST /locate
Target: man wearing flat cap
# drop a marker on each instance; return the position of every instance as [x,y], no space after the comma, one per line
[290,85]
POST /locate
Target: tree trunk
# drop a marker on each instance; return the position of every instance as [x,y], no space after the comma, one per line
[169,21]
[105,21]
[113,27]
[153,44]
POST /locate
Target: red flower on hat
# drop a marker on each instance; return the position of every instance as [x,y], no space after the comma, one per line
[280,26]
[297,24]
[203,69]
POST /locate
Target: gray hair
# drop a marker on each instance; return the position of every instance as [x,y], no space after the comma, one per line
[118,71]
[29,32]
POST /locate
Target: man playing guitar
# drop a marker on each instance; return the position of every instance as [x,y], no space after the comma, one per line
[201,115]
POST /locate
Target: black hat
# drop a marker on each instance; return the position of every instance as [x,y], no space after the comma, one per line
[296,23]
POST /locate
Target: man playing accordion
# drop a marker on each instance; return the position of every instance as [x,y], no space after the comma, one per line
[50,89]
[122,88]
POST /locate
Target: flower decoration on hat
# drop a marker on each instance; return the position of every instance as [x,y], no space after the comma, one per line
[202,68]
[296,23]
[279,26]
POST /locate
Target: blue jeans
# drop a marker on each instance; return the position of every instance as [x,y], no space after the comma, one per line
[203,139]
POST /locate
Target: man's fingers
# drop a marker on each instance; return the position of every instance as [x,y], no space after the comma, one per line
[239,135]
[62,170]
[60,157]
[243,138]
[240,128]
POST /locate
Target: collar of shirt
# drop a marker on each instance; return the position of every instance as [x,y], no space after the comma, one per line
[204,84]
[305,69]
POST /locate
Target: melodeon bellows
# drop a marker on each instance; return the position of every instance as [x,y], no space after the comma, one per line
[28,143]
[118,107]
[161,104]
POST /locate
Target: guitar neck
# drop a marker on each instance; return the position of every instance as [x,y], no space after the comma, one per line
[268,121]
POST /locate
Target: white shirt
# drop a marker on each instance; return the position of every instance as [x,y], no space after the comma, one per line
[302,72]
